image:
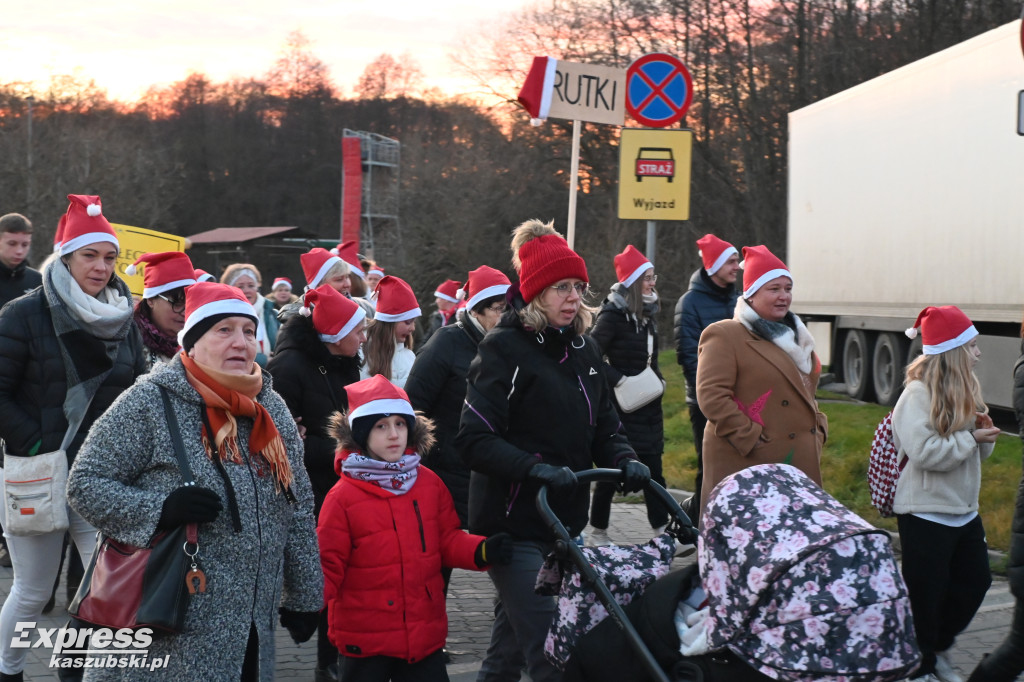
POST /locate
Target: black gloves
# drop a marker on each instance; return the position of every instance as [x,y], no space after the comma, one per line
[496,549]
[189,504]
[300,624]
[560,480]
[635,475]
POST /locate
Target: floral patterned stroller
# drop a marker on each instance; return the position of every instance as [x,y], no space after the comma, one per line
[798,588]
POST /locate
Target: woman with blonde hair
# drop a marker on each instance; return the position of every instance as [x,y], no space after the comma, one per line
[389,336]
[941,426]
[246,277]
[537,410]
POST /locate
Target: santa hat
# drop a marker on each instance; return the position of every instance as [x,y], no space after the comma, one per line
[58,236]
[483,283]
[283,282]
[760,266]
[942,328]
[347,251]
[334,314]
[395,301]
[545,260]
[207,302]
[84,224]
[376,396]
[163,271]
[448,290]
[630,264]
[204,276]
[714,252]
[376,270]
[535,95]
[315,265]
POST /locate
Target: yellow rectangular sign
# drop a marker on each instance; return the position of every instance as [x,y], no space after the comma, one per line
[654,174]
[134,242]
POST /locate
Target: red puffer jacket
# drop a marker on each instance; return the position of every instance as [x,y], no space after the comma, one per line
[382,555]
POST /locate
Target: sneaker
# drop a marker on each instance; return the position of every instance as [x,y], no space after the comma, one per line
[944,670]
[598,537]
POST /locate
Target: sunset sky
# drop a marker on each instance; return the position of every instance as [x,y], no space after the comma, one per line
[128,45]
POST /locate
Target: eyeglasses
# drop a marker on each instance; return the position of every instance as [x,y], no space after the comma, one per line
[651,278]
[498,308]
[177,303]
[564,289]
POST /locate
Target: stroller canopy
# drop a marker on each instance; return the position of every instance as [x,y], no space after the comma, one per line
[799,586]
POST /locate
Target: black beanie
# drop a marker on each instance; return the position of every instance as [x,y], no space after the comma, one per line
[203,326]
[361,427]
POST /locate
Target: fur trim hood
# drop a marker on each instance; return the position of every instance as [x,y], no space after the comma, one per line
[421,439]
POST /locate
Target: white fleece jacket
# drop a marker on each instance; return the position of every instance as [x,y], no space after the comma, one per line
[943,475]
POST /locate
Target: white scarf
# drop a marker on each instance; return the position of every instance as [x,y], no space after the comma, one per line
[102,315]
[798,345]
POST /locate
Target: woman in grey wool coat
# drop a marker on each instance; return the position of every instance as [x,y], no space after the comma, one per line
[251,499]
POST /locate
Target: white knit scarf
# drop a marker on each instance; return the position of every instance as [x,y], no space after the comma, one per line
[798,345]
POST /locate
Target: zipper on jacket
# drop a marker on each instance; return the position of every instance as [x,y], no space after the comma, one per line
[590,408]
[419,520]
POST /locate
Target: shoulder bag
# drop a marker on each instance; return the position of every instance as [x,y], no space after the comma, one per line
[132,587]
[634,392]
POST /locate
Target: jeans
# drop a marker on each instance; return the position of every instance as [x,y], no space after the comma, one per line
[36,560]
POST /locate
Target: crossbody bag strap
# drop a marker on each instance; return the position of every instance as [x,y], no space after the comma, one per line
[330,389]
[650,346]
[179,446]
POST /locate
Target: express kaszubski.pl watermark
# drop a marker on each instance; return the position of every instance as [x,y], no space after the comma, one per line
[92,647]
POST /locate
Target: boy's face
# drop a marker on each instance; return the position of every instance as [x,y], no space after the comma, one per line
[14,247]
[388,438]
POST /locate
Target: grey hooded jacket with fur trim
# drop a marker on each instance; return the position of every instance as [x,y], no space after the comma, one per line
[119,481]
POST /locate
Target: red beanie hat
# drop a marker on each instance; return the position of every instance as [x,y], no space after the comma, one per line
[760,266]
[714,252]
[448,290]
[395,301]
[630,264]
[942,328]
[545,260]
[163,271]
[348,252]
[315,265]
[84,224]
[213,299]
[483,283]
[334,314]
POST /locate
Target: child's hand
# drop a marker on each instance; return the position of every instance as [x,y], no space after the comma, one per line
[496,549]
[983,421]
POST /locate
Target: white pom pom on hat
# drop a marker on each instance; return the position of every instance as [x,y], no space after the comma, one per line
[131,270]
[93,210]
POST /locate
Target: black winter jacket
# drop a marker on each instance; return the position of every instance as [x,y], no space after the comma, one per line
[437,386]
[534,397]
[624,344]
[33,382]
[312,383]
[18,281]
[704,303]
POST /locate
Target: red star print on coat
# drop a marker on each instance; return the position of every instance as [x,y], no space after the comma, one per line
[754,411]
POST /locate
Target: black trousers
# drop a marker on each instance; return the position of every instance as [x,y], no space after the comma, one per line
[601,504]
[384,668]
[947,574]
[699,422]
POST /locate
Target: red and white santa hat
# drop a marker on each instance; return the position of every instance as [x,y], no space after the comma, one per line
[448,291]
[483,283]
[395,301]
[630,264]
[376,395]
[207,300]
[714,252]
[334,314]
[58,236]
[204,276]
[376,270]
[282,282]
[760,266]
[316,264]
[942,328]
[84,224]
[348,252]
[163,271]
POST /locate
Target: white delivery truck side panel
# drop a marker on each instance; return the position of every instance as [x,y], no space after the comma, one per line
[907,191]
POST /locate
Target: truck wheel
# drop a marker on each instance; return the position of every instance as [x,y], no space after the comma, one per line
[857,365]
[887,367]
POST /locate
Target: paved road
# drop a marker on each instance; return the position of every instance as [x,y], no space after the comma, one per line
[470,607]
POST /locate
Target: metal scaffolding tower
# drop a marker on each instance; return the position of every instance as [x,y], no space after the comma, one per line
[380,237]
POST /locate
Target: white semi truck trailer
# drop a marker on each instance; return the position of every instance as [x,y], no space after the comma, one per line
[908,191]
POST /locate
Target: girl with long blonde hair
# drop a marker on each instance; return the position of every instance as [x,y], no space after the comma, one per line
[942,429]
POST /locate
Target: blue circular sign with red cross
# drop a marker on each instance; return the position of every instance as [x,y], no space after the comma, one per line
[659,90]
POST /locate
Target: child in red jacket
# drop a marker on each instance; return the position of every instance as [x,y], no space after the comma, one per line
[385,530]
